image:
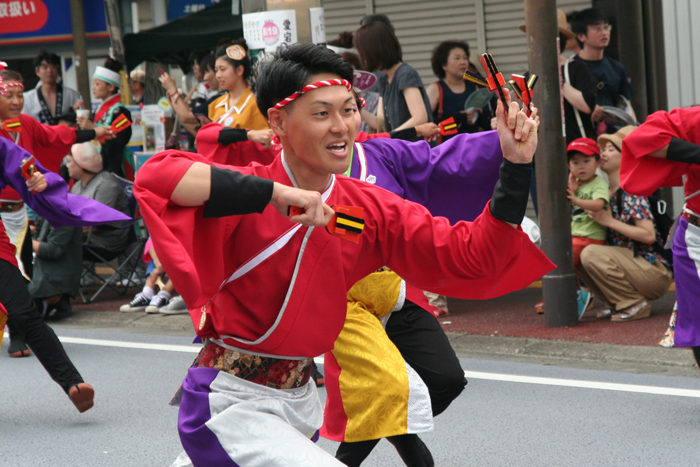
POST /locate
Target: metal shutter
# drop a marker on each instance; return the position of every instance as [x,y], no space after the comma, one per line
[503,38]
[342,15]
[420,25]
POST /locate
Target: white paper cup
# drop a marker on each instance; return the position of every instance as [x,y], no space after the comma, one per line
[83,113]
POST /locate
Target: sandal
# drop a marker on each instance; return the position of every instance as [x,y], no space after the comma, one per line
[606,313]
[639,311]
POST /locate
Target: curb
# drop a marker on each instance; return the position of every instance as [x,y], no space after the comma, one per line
[465,345]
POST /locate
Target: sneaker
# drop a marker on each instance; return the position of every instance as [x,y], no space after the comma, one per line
[584,298]
[139,303]
[157,302]
[18,348]
[175,307]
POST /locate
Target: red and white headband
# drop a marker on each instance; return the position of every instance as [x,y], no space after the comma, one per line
[3,87]
[311,87]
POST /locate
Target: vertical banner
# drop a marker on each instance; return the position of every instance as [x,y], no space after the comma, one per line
[318,25]
[268,30]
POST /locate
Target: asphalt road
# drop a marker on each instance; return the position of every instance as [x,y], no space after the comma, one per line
[511,414]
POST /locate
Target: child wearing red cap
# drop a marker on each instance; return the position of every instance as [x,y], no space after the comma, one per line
[587,192]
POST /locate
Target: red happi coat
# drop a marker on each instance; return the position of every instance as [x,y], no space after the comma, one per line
[258,313]
[238,154]
[48,144]
[642,175]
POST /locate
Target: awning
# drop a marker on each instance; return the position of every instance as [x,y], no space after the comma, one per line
[177,41]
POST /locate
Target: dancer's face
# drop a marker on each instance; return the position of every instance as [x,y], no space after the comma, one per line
[12,103]
[318,127]
[227,75]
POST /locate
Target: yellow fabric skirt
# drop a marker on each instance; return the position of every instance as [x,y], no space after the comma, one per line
[377,387]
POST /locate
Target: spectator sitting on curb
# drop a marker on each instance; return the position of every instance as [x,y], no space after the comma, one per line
[148,300]
[57,268]
[626,272]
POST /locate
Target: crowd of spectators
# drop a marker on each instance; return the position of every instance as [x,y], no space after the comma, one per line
[612,230]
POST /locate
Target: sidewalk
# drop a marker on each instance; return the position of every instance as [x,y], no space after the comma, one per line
[501,328]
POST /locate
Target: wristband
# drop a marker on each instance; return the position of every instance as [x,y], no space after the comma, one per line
[233,193]
[683,151]
[232,135]
[408,134]
[82,136]
[510,195]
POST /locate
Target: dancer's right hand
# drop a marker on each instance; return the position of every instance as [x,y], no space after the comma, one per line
[316,212]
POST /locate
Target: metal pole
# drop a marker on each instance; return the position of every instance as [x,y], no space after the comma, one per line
[630,39]
[80,58]
[135,25]
[559,286]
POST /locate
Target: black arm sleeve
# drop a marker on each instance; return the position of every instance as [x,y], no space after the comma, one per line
[232,135]
[233,193]
[683,151]
[510,195]
[113,149]
[84,135]
[408,134]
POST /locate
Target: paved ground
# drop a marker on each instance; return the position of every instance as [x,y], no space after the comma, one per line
[513,414]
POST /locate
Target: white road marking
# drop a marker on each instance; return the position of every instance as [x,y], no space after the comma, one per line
[570,383]
[574,383]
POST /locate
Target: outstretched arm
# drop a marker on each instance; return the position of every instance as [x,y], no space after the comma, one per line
[227,192]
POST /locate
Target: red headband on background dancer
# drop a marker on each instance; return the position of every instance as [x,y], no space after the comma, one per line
[11,125]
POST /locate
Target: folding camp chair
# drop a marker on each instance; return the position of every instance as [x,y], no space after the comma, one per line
[127,261]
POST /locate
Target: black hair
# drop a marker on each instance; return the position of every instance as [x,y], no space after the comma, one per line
[245,61]
[209,61]
[69,116]
[48,57]
[441,53]
[570,155]
[585,18]
[10,75]
[199,56]
[292,68]
[113,65]
[377,18]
